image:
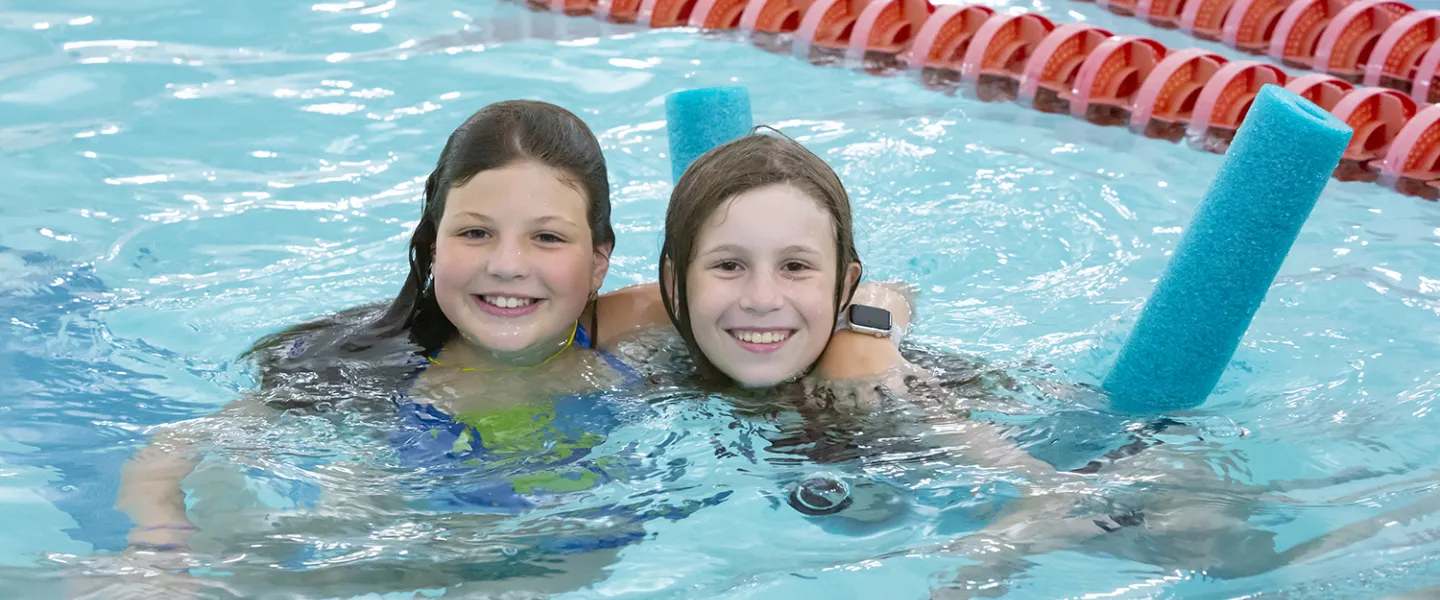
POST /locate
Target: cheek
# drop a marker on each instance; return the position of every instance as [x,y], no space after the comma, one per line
[818,306]
[452,266]
[707,299]
[569,272]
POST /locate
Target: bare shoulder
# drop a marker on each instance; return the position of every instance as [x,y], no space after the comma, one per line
[629,310]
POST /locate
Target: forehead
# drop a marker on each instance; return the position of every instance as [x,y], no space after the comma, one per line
[774,215]
[518,189]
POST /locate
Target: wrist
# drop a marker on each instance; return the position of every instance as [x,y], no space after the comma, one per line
[158,547]
[162,533]
[851,355]
[896,297]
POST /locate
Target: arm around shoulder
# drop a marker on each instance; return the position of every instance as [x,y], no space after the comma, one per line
[855,355]
[627,311]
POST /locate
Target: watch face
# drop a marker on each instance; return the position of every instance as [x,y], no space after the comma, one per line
[869,316]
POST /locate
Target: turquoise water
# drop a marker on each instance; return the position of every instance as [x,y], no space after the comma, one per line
[185,176]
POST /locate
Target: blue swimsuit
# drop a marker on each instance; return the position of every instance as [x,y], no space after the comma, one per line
[510,460]
[504,458]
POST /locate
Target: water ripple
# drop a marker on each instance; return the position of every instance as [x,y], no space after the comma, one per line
[187,177]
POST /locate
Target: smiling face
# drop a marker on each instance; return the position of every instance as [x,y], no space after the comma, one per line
[762,285]
[514,265]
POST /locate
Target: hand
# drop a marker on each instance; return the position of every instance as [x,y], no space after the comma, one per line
[163,537]
[862,394]
[1000,556]
[141,575]
[155,566]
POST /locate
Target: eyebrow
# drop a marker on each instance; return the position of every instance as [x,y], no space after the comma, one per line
[540,221]
[725,249]
[553,218]
[473,215]
[733,249]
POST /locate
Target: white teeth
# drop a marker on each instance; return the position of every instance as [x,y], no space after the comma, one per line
[767,337]
[507,302]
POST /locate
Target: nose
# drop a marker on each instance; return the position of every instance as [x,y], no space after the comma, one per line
[510,260]
[762,294]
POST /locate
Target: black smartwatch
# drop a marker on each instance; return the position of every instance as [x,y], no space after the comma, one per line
[868,320]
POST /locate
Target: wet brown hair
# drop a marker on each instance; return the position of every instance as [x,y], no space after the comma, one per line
[494,137]
[748,163]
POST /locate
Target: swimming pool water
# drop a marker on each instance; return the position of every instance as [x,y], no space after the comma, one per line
[186,176]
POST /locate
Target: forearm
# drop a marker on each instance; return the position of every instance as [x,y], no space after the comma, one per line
[151,493]
[150,487]
[1041,518]
[895,297]
[624,312]
[854,355]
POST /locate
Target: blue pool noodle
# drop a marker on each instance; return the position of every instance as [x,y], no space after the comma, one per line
[1281,158]
[699,120]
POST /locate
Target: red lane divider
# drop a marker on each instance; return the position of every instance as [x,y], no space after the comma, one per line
[1187,95]
[1048,82]
[1349,40]
[1252,23]
[1398,51]
[939,49]
[1119,7]
[1414,156]
[1164,14]
[1167,98]
[1109,80]
[1426,74]
[717,14]
[1297,32]
[1324,90]
[995,61]
[1205,19]
[773,16]
[1380,43]
[1223,101]
[888,27]
[1377,115]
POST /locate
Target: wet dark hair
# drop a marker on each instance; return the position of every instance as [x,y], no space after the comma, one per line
[496,136]
[748,163]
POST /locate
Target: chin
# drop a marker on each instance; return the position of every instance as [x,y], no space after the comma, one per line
[759,380]
[508,347]
[500,344]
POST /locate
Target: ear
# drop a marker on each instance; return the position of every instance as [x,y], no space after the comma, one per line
[668,280]
[852,280]
[601,266]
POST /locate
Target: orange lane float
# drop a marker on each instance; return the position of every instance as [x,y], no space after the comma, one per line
[1091,74]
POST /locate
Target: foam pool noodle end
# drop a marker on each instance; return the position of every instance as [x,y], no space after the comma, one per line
[699,120]
[1281,159]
